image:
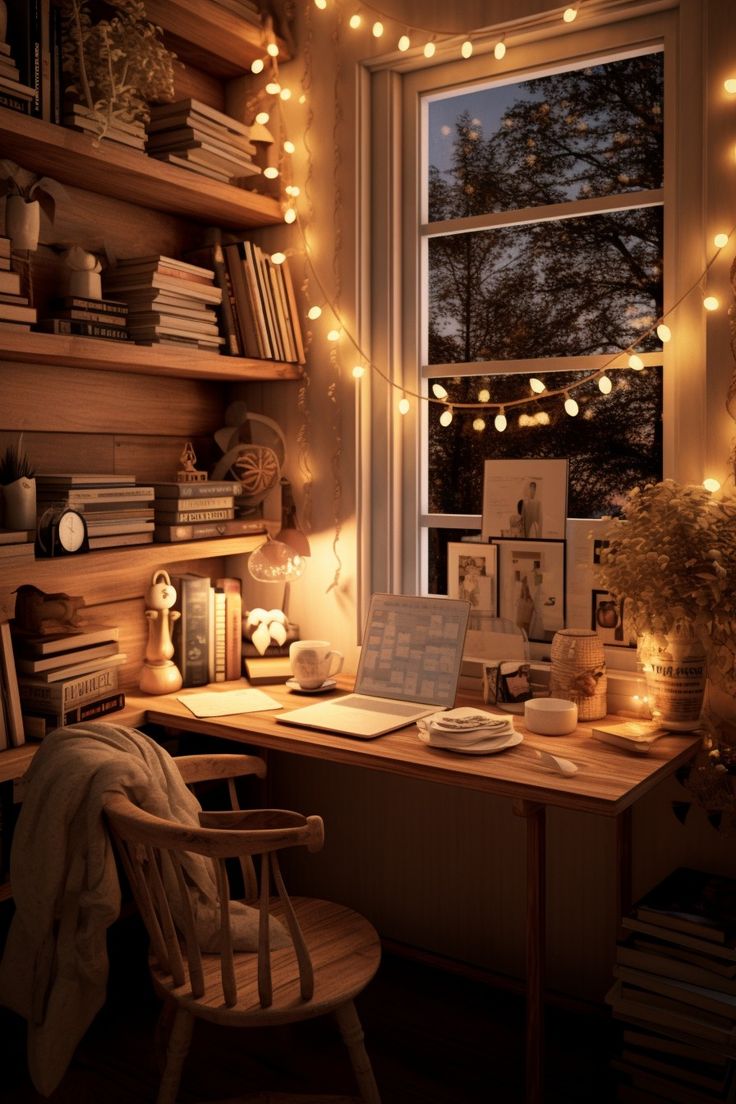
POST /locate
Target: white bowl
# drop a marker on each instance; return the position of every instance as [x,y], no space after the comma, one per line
[550,716]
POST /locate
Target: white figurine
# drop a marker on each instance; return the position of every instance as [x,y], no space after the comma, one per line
[84,273]
[160,675]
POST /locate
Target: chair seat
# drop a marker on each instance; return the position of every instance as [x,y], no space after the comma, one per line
[345,952]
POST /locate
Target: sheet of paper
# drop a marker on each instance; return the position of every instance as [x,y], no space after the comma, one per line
[228,703]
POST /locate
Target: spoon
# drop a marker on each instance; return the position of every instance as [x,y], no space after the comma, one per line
[556,762]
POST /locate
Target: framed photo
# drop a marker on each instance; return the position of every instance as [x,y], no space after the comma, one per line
[471,574]
[609,617]
[524,499]
[531,585]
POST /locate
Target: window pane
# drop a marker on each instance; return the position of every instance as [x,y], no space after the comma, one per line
[613,444]
[570,287]
[588,132]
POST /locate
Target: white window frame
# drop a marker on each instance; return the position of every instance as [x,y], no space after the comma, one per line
[392,497]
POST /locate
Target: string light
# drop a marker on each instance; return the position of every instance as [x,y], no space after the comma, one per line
[404,406]
[314,313]
[278,258]
[270,172]
[479,425]
[289,147]
[712,485]
[289,215]
[467,48]
[272,50]
[358,371]
[355,21]
[720,241]
[285,94]
[500,422]
[484,395]
[439,391]
[257,66]
[446,417]
[334,335]
[570,15]
[711,303]
[273,88]
[636,363]
[604,385]
[404,43]
[377,29]
[537,385]
[321,4]
[571,407]
[499,50]
[292,190]
[730,85]
[664,333]
[429,49]
[262,117]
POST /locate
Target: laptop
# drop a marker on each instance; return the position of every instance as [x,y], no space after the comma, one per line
[409,667]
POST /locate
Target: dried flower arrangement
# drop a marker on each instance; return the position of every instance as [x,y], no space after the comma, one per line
[116,60]
[15,464]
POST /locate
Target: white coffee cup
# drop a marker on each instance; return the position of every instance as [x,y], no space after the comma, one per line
[313,662]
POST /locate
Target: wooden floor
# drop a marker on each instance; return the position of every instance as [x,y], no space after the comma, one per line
[434,1038]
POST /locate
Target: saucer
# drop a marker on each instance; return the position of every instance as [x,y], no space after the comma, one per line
[328,684]
[483,747]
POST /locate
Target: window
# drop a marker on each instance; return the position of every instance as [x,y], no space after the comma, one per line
[576,157]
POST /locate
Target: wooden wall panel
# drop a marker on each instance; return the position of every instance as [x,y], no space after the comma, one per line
[50,452]
[191,82]
[154,459]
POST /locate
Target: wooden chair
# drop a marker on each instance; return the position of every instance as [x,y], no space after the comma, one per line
[333,952]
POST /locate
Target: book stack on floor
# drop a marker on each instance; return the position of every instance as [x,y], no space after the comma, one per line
[76,314]
[194,136]
[200,511]
[116,510]
[676,992]
[15,313]
[170,302]
[65,678]
[262,298]
[79,117]
[207,634]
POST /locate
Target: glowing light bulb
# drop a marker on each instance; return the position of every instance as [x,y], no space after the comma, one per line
[711,303]
[272,49]
[355,21]
[314,313]
[570,15]
[730,85]
[712,485]
[499,50]
[664,333]
[404,406]
[478,425]
[290,215]
[285,94]
[537,385]
[358,371]
[256,66]
[484,395]
[278,258]
[273,88]
[446,418]
[262,117]
[439,391]
[334,335]
[571,407]
[292,190]
[289,146]
[302,99]
[429,49]
[377,29]
[720,240]
[321,4]
[604,385]
[635,363]
[500,422]
[270,172]
[467,48]
[404,43]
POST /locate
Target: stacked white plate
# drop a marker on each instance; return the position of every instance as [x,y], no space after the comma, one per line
[470,731]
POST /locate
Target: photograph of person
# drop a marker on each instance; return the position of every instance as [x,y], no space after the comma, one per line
[524,498]
[471,574]
[531,586]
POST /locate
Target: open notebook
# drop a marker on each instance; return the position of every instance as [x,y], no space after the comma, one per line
[409,666]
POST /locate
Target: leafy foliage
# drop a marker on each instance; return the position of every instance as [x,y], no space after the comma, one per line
[116,60]
[14,464]
[15,180]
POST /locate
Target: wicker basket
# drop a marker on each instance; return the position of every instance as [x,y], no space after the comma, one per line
[579,671]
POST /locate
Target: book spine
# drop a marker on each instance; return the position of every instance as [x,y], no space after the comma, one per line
[46,94]
[175,518]
[170,534]
[102,306]
[254,299]
[246,325]
[227,306]
[71,692]
[76,314]
[97,708]
[188,506]
[70,326]
[220,634]
[56,65]
[191,637]
[233,625]
[195,490]
[95,494]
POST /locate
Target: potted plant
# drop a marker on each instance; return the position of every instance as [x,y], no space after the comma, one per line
[18,488]
[116,61]
[26,195]
[672,557]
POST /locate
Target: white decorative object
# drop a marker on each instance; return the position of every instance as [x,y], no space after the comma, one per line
[19,504]
[22,222]
[84,278]
[266,627]
[160,675]
[550,716]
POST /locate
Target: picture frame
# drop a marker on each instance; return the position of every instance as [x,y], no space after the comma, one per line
[471,574]
[524,499]
[609,618]
[531,585]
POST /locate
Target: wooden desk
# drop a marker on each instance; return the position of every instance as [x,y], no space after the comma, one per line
[608,782]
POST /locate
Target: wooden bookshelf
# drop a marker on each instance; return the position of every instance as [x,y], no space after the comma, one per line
[147,360]
[72,158]
[210,38]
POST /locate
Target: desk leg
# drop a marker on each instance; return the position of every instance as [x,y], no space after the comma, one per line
[534,814]
[623,867]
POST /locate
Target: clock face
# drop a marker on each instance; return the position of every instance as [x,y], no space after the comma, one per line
[71,531]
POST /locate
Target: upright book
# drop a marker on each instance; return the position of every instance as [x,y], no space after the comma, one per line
[191,629]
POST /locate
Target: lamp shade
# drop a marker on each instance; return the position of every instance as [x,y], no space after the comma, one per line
[276,562]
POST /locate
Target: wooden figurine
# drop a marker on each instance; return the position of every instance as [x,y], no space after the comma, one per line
[160,675]
[188,473]
[38,612]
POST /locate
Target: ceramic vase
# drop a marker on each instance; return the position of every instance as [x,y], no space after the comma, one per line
[22,222]
[675,671]
[19,504]
[579,672]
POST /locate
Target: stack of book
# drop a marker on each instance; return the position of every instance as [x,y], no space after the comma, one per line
[194,136]
[199,511]
[65,678]
[207,634]
[676,992]
[261,295]
[169,301]
[15,313]
[76,314]
[20,80]
[116,510]
[79,117]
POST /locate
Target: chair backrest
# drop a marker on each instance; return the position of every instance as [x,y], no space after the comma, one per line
[170,866]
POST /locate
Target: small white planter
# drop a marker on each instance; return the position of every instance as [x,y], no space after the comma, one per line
[19,504]
[22,222]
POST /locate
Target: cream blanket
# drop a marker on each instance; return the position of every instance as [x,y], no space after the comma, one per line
[65,885]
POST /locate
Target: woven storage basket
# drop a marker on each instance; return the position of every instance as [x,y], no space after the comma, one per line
[579,671]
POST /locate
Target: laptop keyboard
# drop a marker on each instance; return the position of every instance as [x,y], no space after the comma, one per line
[376,705]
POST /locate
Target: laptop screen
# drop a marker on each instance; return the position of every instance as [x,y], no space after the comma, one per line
[412,649]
